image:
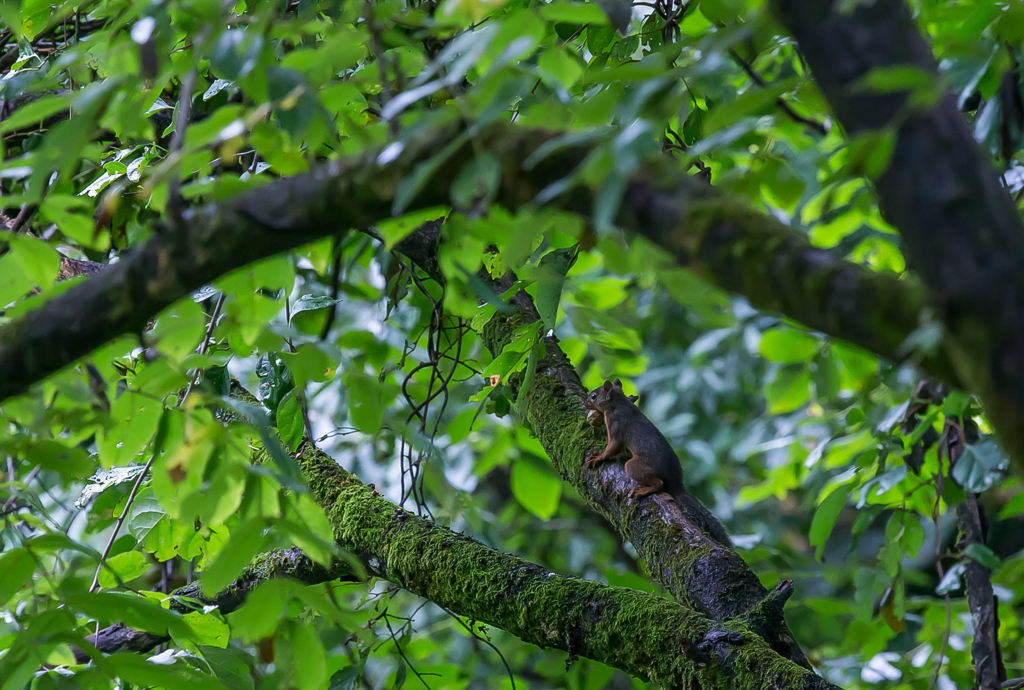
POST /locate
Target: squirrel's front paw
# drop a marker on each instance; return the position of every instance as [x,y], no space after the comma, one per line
[592,460]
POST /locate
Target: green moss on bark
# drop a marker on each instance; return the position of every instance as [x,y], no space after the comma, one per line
[639,633]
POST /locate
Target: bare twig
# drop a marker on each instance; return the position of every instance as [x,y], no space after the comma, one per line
[938,567]
[782,104]
[184,113]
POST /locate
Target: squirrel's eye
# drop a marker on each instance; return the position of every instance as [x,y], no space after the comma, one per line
[593,396]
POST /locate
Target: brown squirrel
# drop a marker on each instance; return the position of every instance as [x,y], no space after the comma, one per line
[653,465]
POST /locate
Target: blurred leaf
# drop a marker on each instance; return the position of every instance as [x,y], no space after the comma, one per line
[982,554]
[364,401]
[290,422]
[788,345]
[312,302]
[825,518]
[126,566]
[246,540]
[536,490]
[950,582]
[551,276]
[16,569]
[980,466]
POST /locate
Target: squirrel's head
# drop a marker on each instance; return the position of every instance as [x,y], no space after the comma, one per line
[601,397]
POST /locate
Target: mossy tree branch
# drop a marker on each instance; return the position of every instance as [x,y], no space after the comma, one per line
[707,230]
[673,540]
[642,634]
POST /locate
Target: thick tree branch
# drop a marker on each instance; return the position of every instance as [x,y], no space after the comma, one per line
[674,540]
[707,230]
[642,634]
[962,232]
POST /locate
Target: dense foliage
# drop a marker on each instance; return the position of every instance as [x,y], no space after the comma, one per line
[142,467]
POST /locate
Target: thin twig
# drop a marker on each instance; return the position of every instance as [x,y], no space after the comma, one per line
[940,569]
[335,284]
[184,113]
[785,107]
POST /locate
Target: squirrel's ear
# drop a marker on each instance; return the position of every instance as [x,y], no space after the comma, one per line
[607,385]
[618,384]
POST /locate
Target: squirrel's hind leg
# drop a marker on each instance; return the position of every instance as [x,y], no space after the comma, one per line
[641,472]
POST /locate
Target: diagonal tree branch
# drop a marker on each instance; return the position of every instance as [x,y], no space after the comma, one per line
[961,230]
[644,635]
[708,230]
[676,541]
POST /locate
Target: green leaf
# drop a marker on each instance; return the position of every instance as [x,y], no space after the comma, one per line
[16,568]
[208,629]
[230,667]
[825,518]
[145,513]
[309,363]
[126,566]
[71,463]
[36,111]
[956,403]
[536,490]
[312,302]
[179,329]
[364,401]
[136,669]
[258,618]
[573,13]
[132,610]
[39,261]
[290,423]
[309,662]
[477,183]
[980,466]
[789,390]
[14,283]
[788,345]
[246,540]
[984,555]
[557,66]
[550,279]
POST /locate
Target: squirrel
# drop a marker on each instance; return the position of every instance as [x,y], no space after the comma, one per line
[654,465]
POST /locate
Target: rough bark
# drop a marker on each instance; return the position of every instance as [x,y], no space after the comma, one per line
[642,634]
[962,232]
[673,540]
[709,231]
[288,563]
[985,650]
